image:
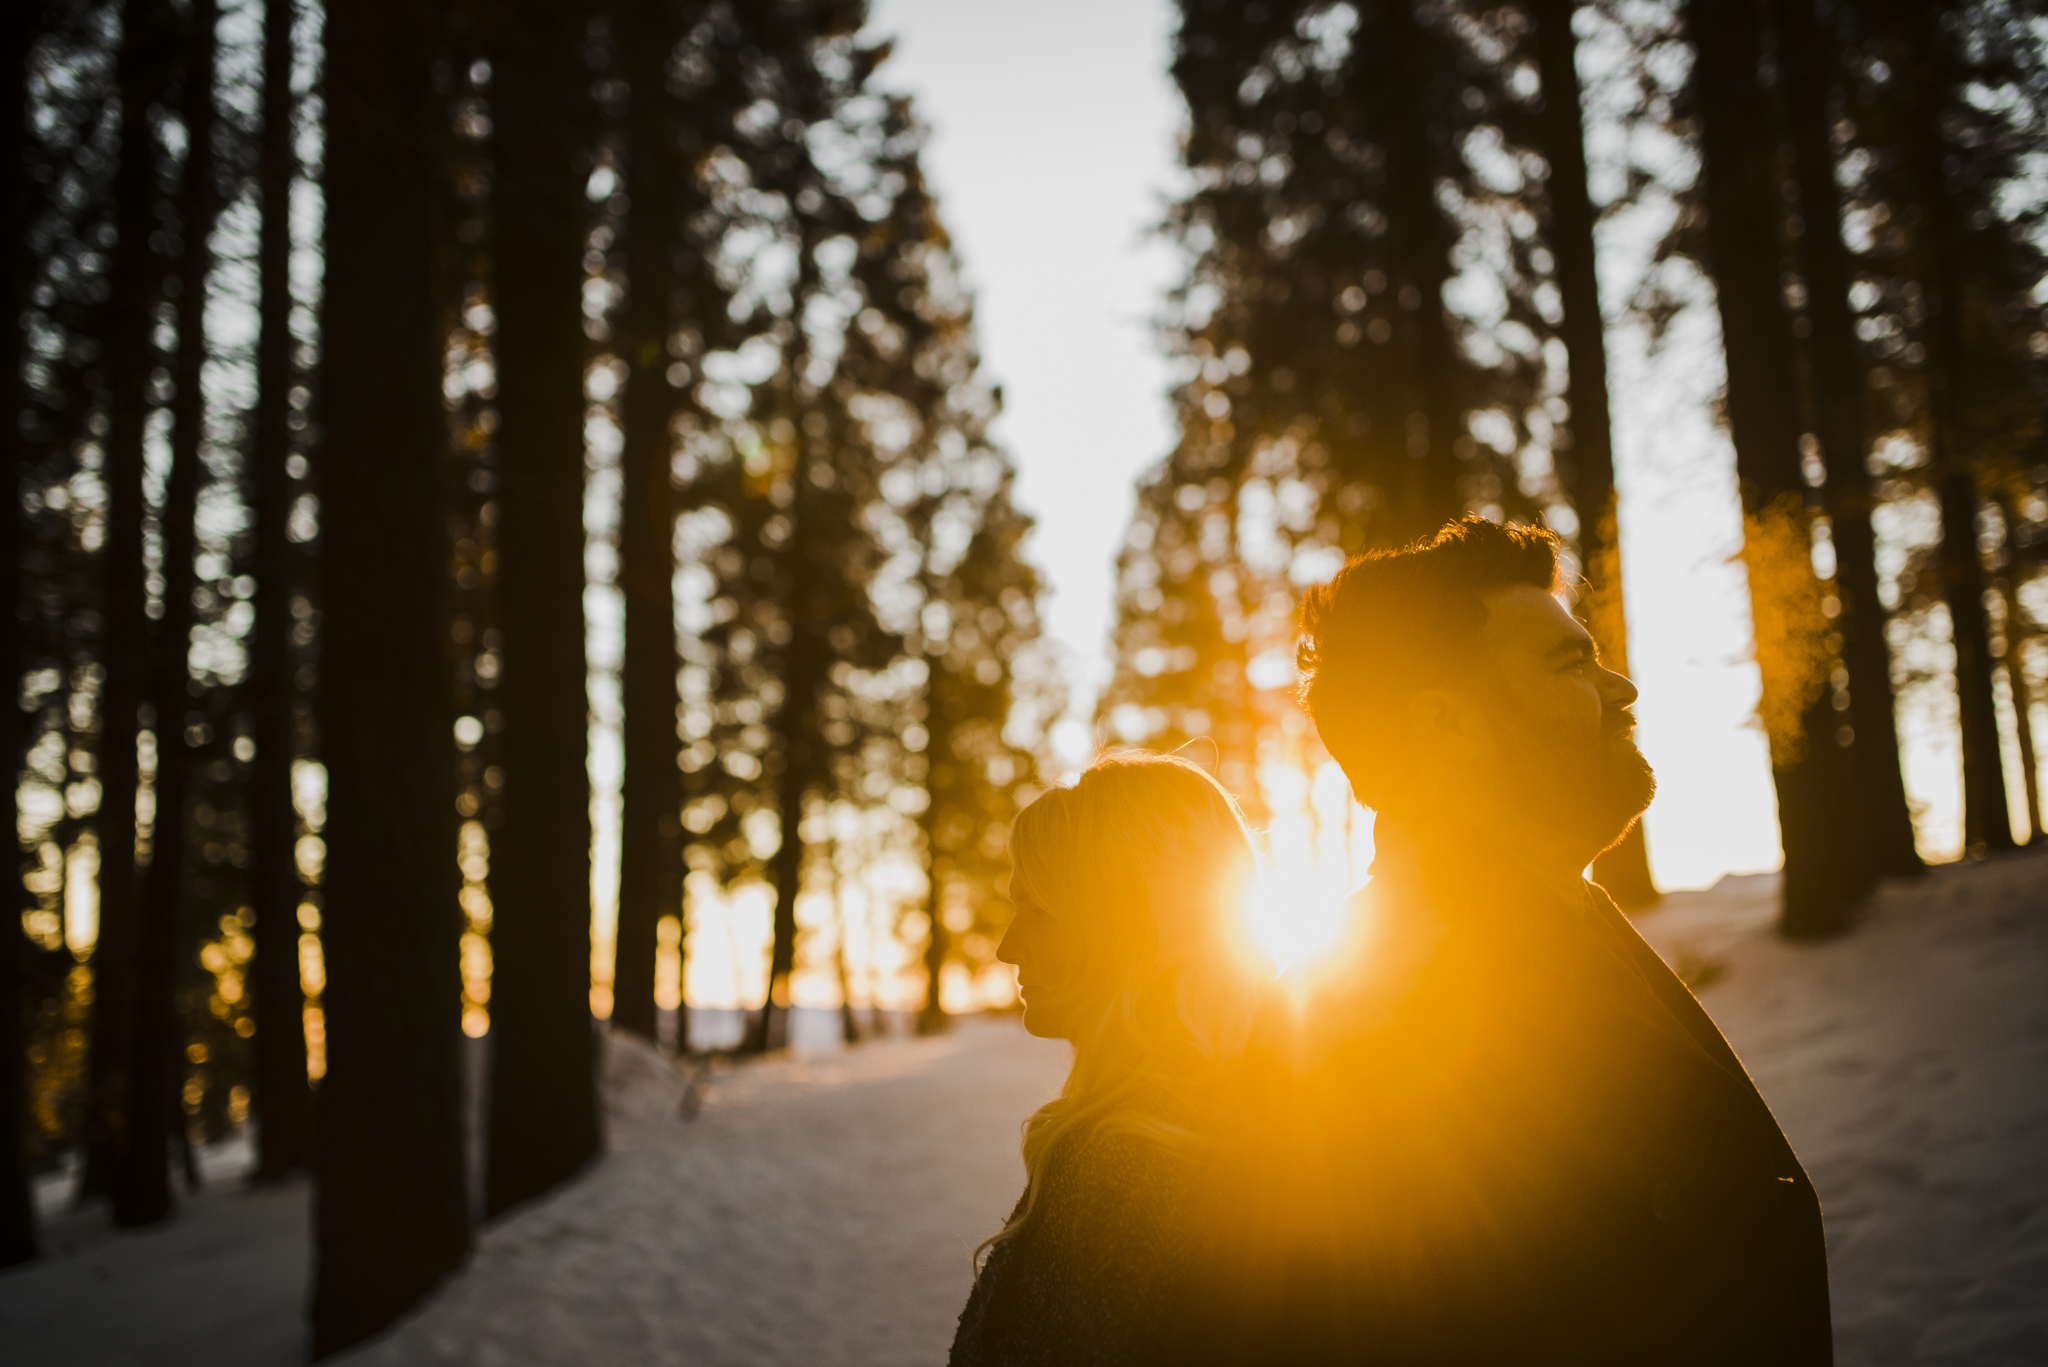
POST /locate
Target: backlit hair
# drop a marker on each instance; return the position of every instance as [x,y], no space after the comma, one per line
[1393,623]
[1150,857]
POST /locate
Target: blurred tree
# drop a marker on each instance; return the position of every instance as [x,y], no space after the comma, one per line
[1811,56]
[2019,631]
[1823,831]
[681,105]
[979,634]
[143,69]
[391,1217]
[855,367]
[138,1181]
[651,790]
[74,152]
[20,27]
[975,750]
[1587,459]
[1181,648]
[282,1098]
[544,1121]
[1972,265]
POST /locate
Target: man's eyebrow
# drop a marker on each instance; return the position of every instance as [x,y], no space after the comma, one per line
[1572,648]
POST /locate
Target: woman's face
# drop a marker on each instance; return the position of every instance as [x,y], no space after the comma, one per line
[1052,967]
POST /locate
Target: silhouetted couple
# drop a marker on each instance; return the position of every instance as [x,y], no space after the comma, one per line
[1493,1128]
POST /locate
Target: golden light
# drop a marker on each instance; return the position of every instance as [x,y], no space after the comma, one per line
[1293,917]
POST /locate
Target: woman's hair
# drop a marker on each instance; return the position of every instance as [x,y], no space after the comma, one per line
[1149,859]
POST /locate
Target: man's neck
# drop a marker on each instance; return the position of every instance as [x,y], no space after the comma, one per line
[1504,840]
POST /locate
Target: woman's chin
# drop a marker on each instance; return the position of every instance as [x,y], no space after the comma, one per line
[1046,1020]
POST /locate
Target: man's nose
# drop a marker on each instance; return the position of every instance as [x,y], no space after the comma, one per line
[1616,690]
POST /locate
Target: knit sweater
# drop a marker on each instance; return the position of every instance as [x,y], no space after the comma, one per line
[1097,1275]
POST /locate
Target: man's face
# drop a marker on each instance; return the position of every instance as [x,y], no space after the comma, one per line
[1558,733]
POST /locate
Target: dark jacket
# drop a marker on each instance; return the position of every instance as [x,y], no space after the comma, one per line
[1499,1130]
[1097,1275]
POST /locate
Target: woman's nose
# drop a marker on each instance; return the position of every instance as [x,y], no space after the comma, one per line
[1010,949]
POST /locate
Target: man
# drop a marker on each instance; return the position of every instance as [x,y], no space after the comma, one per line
[1497,1129]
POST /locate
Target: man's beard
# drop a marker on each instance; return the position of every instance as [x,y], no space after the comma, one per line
[1590,793]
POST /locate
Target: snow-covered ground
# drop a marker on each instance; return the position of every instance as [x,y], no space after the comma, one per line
[820,1209]
[1908,1062]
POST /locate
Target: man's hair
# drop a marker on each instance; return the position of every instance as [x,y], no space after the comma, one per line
[1393,623]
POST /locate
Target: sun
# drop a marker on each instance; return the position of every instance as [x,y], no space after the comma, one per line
[1292,916]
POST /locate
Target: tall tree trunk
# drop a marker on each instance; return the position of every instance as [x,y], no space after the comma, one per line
[544,1123]
[134,279]
[19,26]
[282,1098]
[931,1017]
[771,1027]
[140,1184]
[1424,351]
[1827,867]
[2019,561]
[1589,467]
[651,796]
[1837,376]
[1987,824]
[849,1026]
[808,659]
[392,1217]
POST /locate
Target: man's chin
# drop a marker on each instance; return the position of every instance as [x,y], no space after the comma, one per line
[1630,786]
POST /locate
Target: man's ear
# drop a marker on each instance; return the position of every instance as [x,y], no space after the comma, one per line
[1440,717]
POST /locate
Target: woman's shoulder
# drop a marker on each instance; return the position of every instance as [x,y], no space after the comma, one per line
[1136,1158]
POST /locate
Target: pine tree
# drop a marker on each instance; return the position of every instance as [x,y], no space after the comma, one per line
[544,1121]
[1588,460]
[20,27]
[1820,814]
[143,69]
[1971,266]
[74,152]
[392,1216]
[139,1184]
[651,797]
[977,632]
[681,111]
[282,1098]
[1809,53]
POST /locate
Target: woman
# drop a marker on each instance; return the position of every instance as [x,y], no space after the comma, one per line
[1129,941]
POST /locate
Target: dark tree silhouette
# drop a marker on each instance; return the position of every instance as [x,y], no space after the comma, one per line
[139,1183]
[392,1216]
[1930,89]
[282,1099]
[142,72]
[19,28]
[651,796]
[1820,813]
[1808,54]
[978,628]
[544,1123]
[1587,463]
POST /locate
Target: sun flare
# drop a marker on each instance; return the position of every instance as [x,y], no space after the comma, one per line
[1293,917]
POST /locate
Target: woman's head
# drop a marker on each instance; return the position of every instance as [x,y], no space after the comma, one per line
[1130,941]
[1128,888]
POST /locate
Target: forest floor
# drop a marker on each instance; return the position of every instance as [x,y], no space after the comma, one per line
[820,1210]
